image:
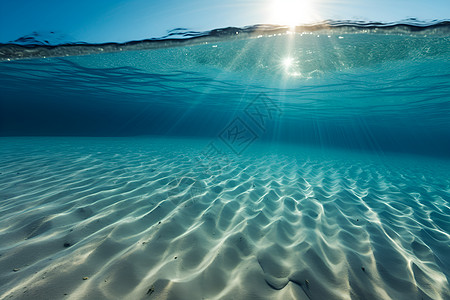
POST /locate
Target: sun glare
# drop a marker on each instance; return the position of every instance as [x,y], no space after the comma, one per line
[290,66]
[287,62]
[292,12]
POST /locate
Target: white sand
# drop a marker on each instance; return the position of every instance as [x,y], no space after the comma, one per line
[142,219]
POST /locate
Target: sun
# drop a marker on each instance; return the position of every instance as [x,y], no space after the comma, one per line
[291,12]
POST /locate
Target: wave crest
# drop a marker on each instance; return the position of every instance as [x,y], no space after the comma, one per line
[37,45]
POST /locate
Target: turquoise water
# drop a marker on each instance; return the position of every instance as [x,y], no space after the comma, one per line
[315,164]
[372,91]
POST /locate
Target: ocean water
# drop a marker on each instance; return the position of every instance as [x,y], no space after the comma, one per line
[241,163]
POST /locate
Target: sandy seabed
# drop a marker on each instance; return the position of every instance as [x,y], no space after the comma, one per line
[146,219]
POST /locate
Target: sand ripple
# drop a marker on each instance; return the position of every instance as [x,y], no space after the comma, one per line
[144,220]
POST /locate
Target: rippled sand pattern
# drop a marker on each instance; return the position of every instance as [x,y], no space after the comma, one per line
[110,220]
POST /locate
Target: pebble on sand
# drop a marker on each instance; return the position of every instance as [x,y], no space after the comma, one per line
[151,290]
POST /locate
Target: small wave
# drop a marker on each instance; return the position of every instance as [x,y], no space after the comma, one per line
[40,38]
[38,45]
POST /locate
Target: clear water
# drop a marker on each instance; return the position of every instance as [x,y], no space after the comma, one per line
[274,165]
[372,91]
